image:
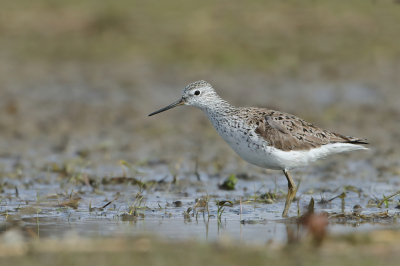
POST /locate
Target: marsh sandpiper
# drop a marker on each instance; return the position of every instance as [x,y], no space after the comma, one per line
[266,138]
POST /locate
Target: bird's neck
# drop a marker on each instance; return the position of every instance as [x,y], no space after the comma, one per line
[218,109]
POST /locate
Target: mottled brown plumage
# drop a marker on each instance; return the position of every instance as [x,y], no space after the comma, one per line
[288,132]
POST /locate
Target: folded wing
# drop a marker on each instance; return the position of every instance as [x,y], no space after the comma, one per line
[288,132]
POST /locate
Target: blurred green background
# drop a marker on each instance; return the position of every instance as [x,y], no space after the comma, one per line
[79,73]
[252,35]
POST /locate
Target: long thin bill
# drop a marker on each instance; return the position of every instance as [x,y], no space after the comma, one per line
[177,103]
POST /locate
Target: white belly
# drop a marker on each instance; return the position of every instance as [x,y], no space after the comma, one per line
[255,150]
[252,150]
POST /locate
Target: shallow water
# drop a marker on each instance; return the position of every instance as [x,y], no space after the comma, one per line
[42,206]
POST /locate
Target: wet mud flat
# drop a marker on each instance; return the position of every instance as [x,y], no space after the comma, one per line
[71,213]
[76,197]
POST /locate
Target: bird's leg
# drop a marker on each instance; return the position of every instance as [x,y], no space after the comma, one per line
[292,189]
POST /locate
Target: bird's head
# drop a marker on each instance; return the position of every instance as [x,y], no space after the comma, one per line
[198,94]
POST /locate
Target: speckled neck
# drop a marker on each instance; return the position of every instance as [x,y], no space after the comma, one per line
[218,108]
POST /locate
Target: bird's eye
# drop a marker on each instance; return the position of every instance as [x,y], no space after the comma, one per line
[196,92]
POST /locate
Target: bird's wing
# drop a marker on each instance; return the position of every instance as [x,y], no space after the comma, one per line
[288,132]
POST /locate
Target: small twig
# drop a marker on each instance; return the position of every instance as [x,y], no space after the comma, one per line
[72,191]
[208,209]
[241,210]
[338,196]
[118,210]
[298,183]
[298,205]
[388,197]
[90,205]
[109,202]
[258,189]
[196,169]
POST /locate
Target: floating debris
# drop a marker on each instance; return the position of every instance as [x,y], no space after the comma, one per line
[73,203]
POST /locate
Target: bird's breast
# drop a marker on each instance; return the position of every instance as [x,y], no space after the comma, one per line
[247,144]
